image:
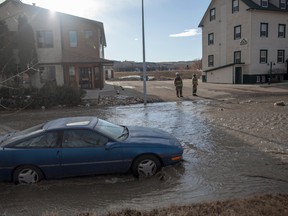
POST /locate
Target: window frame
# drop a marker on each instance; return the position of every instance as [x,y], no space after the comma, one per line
[88,35]
[239,34]
[210,60]
[284,30]
[281,59]
[73,38]
[283,4]
[211,39]
[237,60]
[265,3]
[48,74]
[264,33]
[212,14]
[235,8]
[45,39]
[30,142]
[72,73]
[265,51]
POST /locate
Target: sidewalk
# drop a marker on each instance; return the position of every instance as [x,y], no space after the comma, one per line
[95,94]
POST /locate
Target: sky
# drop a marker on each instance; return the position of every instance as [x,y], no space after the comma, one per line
[171,26]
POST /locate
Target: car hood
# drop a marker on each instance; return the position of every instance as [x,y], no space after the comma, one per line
[151,135]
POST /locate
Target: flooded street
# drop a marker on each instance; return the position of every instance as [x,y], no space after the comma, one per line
[217,165]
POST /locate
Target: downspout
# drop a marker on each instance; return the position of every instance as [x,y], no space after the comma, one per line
[233,75]
[287,67]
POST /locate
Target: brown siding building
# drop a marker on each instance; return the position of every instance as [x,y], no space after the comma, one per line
[70,49]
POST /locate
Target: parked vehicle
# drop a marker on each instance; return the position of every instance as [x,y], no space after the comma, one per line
[79,146]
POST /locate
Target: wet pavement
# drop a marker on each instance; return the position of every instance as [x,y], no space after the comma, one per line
[217,166]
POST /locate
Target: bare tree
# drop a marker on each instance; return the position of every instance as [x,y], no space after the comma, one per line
[196,64]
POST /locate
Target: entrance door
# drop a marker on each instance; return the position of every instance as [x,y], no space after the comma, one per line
[85,77]
[238,75]
[97,77]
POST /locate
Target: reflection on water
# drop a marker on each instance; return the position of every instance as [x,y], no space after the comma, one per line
[216,166]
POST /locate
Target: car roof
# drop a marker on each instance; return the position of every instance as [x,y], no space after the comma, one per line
[72,122]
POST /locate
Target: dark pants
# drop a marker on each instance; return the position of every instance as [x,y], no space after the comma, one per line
[179,91]
[194,89]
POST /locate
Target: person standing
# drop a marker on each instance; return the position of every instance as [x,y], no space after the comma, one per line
[178,84]
[194,84]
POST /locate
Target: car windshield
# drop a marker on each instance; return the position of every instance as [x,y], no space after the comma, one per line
[116,132]
[20,134]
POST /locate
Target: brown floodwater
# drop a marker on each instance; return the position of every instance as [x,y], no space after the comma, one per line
[217,166]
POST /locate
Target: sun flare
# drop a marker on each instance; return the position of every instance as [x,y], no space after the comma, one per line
[74,7]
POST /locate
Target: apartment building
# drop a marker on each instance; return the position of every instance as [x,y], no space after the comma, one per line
[245,41]
[70,49]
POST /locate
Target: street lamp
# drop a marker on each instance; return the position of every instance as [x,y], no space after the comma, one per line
[271,63]
[144,59]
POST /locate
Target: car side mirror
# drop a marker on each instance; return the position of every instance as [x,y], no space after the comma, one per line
[109,146]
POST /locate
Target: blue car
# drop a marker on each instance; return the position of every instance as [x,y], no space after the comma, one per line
[79,146]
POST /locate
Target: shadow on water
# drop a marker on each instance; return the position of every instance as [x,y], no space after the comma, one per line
[217,166]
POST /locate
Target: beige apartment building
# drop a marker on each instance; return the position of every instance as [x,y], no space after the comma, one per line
[70,49]
[245,41]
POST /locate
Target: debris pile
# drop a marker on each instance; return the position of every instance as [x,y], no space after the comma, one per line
[118,100]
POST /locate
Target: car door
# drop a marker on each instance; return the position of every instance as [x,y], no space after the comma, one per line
[40,150]
[84,152]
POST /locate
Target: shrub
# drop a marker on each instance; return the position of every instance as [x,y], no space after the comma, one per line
[48,96]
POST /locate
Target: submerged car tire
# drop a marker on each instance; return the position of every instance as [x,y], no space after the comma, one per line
[146,166]
[27,175]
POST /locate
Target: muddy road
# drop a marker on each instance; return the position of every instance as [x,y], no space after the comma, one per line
[223,160]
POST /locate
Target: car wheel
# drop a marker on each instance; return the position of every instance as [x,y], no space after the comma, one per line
[27,175]
[146,166]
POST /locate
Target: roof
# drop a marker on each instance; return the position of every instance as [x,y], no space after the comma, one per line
[5,2]
[72,122]
[271,7]
[224,66]
[251,5]
[99,24]
[83,58]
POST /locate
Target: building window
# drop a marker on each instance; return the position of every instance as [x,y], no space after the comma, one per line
[264,3]
[45,39]
[211,39]
[281,56]
[263,56]
[73,38]
[281,30]
[263,79]
[88,39]
[212,14]
[237,57]
[237,32]
[283,4]
[72,74]
[264,30]
[235,6]
[47,74]
[210,60]
[88,34]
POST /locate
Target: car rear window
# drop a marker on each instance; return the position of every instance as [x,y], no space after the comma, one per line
[11,137]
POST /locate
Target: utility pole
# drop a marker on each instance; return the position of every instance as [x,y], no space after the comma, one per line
[144,58]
